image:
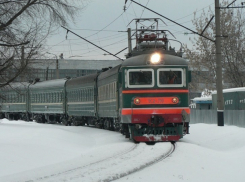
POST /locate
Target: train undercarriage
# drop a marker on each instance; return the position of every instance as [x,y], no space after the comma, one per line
[156,128]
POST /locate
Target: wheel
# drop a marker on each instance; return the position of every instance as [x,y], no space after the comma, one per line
[76,123]
[150,143]
[65,121]
[10,117]
[1,115]
[136,142]
[107,124]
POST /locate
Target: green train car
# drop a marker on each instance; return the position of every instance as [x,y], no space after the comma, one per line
[108,102]
[47,101]
[14,101]
[234,99]
[81,100]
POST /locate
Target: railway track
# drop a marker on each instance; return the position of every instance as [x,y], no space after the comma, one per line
[132,160]
[162,157]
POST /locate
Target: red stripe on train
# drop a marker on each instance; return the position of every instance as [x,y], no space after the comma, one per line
[153,91]
[130,111]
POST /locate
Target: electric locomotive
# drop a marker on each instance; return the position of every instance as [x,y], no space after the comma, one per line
[154,89]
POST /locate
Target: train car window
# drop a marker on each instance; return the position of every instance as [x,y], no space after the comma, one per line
[110,91]
[85,95]
[102,92]
[112,95]
[50,97]
[139,78]
[56,96]
[43,98]
[59,96]
[53,97]
[37,98]
[171,77]
[91,94]
[16,98]
[46,97]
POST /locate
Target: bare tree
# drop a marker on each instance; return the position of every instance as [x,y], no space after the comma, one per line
[202,55]
[24,27]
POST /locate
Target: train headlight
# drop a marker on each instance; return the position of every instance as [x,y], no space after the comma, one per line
[155,58]
[136,101]
[175,100]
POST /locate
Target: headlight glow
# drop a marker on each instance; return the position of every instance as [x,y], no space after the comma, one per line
[136,101]
[155,58]
[175,100]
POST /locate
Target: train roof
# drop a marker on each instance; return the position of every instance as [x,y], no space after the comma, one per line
[17,85]
[145,58]
[49,84]
[109,72]
[81,80]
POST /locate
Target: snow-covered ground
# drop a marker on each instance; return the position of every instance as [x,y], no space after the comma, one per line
[40,152]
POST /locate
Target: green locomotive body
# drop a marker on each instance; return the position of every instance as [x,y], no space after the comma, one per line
[151,107]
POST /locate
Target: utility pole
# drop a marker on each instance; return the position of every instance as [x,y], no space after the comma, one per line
[129,41]
[219,82]
[57,64]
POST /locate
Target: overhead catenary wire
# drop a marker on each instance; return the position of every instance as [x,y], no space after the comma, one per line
[173,21]
[91,43]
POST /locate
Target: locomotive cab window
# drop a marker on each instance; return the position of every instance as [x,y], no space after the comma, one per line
[171,77]
[140,78]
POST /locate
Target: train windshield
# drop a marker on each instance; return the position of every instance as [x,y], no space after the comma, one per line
[138,78]
[170,77]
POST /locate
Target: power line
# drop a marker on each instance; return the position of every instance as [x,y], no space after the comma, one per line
[144,8]
[173,21]
[106,25]
[90,42]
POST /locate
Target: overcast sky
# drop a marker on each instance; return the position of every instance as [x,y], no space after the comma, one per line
[101,20]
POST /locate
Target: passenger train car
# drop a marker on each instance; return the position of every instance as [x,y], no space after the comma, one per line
[146,97]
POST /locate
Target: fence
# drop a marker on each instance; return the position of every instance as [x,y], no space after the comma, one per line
[231,117]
